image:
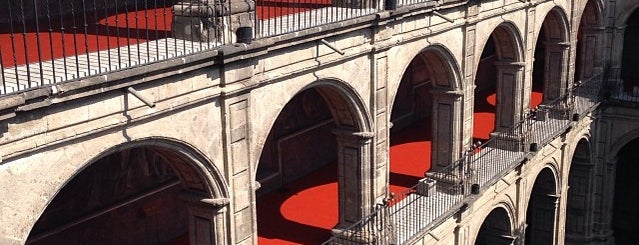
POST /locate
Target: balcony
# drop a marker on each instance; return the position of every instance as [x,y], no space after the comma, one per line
[57,41]
[404,217]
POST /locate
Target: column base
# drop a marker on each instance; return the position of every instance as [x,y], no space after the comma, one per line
[508,142]
[448,183]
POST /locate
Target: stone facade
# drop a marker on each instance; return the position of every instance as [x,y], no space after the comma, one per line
[216,115]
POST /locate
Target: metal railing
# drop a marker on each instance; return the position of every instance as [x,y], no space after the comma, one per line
[276,17]
[43,42]
[50,41]
[444,192]
[624,93]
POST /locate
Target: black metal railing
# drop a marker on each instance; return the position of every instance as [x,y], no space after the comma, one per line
[276,17]
[624,92]
[444,192]
[50,41]
[375,228]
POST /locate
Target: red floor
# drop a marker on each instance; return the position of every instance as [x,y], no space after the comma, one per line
[114,30]
[304,211]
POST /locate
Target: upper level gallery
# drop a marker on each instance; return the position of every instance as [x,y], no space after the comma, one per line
[250,90]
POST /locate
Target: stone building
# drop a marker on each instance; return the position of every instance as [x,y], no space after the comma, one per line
[156,123]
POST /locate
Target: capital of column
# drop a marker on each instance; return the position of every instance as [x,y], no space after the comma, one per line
[446,92]
[557,44]
[593,30]
[198,199]
[352,135]
[510,65]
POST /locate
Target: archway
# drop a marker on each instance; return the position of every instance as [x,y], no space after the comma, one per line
[541,214]
[625,212]
[550,66]
[498,81]
[425,135]
[496,229]
[149,192]
[313,170]
[579,224]
[630,55]
[587,63]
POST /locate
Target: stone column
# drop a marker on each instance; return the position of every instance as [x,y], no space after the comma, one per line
[207,219]
[556,70]
[446,127]
[556,79]
[355,176]
[616,54]
[509,108]
[509,94]
[602,229]
[579,213]
[211,21]
[590,57]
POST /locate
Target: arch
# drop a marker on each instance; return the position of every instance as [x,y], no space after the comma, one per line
[618,143]
[541,213]
[429,95]
[189,188]
[509,36]
[624,16]
[323,129]
[349,110]
[629,59]
[550,71]
[499,73]
[497,227]
[579,217]
[624,213]
[589,34]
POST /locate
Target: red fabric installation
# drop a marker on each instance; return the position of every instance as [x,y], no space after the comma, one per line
[484,115]
[272,8]
[110,32]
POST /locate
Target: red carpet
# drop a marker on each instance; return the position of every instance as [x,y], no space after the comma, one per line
[304,211]
[484,115]
[110,32]
[268,9]
[104,32]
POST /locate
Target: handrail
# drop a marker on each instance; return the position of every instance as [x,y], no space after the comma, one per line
[414,211]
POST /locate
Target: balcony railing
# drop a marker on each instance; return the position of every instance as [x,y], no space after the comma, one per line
[43,42]
[50,41]
[276,17]
[445,192]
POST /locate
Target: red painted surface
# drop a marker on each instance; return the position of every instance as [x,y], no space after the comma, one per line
[110,32]
[106,32]
[306,210]
[484,115]
[269,9]
[305,213]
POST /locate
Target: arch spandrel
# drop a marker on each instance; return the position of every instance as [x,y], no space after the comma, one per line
[197,174]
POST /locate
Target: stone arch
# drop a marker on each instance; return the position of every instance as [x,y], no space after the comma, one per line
[443,87]
[347,126]
[629,53]
[551,53]
[197,186]
[579,216]
[497,227]
[623,228]
[502,55]
[618,143]
[590,31]
[541,213]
